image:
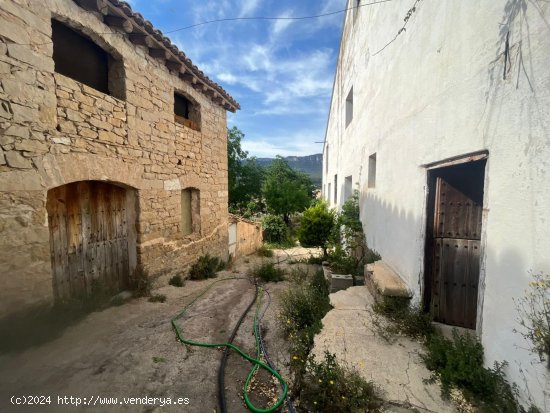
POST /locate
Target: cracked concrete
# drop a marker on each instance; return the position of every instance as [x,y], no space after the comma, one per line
[395,368]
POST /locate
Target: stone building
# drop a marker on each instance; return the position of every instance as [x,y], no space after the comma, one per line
[444,128]
[113,159]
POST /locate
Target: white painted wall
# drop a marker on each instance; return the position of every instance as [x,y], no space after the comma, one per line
[438,92]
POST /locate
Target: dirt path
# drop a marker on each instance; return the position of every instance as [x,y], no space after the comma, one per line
[130,351]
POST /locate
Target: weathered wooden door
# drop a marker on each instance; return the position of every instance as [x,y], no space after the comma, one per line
[91,234]
[457,221]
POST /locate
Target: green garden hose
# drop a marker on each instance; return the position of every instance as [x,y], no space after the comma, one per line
[255,361]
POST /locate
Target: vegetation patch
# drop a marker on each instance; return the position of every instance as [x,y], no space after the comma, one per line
[264,251]
[330,387]
[268,272]
[176,281]
[140,284]
[206,267]
[405,319]
[157,298]
[459,363]
[275,229]
[534,316]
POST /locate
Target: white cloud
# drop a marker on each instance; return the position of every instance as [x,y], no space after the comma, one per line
[247,7]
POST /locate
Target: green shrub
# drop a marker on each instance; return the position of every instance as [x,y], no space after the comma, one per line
[267,272]
[275,229]
[176,281]
[408,320]
[263,251]
[157,298]
[329,387]
[205,267]
[341,263]
[305,304]
[459,363]
[317,226]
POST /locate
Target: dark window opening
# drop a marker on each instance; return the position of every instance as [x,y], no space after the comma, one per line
[187,112]
[372,171]
[349,107]
[335,188]
[78,57]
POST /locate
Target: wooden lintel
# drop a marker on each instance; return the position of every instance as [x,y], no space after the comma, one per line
[119,23]
[142,39]
[175,66]
[160,53]
[93,5]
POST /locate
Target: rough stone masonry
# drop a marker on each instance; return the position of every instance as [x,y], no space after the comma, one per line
[56,131]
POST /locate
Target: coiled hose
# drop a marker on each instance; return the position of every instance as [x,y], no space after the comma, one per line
[255,361]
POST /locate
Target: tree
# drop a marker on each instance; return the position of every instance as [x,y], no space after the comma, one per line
[245,175]
[317,226]
[285,190]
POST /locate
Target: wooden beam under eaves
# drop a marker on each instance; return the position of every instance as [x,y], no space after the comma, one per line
[142,40]
[94,5]
[120,23]
[175,66]
[159,53]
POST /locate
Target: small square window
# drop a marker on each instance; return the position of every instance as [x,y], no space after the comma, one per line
[187,111]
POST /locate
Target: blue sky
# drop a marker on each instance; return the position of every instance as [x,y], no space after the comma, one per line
[281,72]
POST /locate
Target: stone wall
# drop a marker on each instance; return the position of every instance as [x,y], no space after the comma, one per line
[248,236]
[54,130]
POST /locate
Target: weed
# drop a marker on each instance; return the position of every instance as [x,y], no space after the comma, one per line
[267,272]
[205,267]
[534,316]
[157,298]
[176,281]
[159,359]
[263,251]
[330,387]
[117,301]
[409,320]
[140,284]
[459,363]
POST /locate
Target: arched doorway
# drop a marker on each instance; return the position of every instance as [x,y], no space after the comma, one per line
[92,237]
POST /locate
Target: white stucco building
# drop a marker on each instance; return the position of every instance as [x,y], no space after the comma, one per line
[445,131]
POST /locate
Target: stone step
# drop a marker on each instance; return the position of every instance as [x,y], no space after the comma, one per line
[382,281]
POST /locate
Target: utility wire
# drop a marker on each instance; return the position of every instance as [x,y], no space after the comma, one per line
[251,18]
[277,18]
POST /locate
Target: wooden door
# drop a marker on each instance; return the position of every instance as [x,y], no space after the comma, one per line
[90,238]
[455,251]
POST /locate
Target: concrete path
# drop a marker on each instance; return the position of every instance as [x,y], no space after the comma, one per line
[395,368]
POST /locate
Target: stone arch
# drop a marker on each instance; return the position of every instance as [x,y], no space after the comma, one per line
[92,237]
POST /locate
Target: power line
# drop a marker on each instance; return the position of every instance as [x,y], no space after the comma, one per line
[228,19]
[277,18]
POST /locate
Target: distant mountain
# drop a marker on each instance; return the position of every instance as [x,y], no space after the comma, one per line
[311,165]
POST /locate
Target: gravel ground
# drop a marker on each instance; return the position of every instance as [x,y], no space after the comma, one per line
[131,351]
